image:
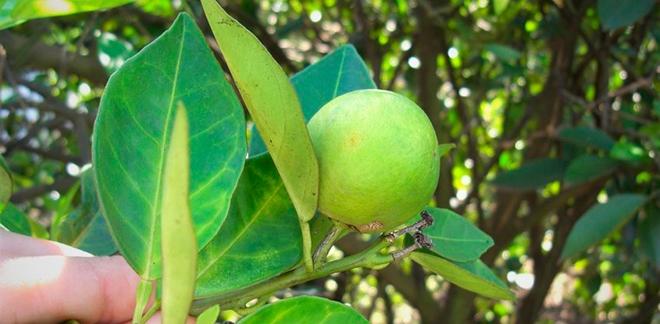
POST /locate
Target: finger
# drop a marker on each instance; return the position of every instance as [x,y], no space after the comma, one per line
[15,245]
[58,288]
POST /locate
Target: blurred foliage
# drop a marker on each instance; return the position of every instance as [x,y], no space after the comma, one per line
[552,106]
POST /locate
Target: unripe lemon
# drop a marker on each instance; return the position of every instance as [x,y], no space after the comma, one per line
[378,159]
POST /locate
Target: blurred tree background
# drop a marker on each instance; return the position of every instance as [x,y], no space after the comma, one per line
[552,106]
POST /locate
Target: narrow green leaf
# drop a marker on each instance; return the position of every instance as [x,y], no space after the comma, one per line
[649,228]
[6,184]
[132,132]
[586,168]
[474,276]
[337,73]
[14,12]
[305,309]
[445,148]
[209,316]
[261,229]
[273,105]
[85,227]
[587,137]
[178,244]
[15,221]
[599,221]
[454,237]
[617,13]
[531,175]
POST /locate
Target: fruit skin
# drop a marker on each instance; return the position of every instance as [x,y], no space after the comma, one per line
[378,159]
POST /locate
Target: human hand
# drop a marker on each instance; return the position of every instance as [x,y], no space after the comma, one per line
[49,282]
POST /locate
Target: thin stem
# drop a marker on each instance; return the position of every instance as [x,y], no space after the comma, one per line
[321,253]
[307,246]
[151,311]
[426,221]
[142,294]
[368,258]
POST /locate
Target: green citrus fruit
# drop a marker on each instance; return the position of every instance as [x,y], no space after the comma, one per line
[378,159]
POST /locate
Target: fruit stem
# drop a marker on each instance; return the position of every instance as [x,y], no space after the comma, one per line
[426,221]
[321,253]
[307,246]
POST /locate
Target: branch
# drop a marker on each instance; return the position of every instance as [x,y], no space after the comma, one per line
[60,184]
[26,52]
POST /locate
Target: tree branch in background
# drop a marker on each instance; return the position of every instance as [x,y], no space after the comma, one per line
[24,52]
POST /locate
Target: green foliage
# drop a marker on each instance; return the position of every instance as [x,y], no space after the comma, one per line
[15,221]
[84,227]
[305,309]
[531,175]
[273,105]
[615,14]
[474,276]
[209,316]
[588,167]
[261,229]
[587,137]
[600,221]
[137,110]
[178,241]
[14,12]
[6,184]
[648,234]
[454,237]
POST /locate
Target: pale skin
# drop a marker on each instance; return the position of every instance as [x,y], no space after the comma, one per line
[48,282]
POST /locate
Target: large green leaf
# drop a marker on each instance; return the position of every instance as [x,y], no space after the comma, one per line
[6,184]
[649,228]
[260,238]
[587,137]
[178,243]
[15,221]
[454,237]
[474,276]
[531,175]
[588,167]
[14,12]
[305,309]
[273,105]
[599,221]
[335,74]
[619,13]
[132,133]
[85,227]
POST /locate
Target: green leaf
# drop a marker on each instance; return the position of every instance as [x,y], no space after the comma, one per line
[445,148]
[14,12]
[209,316]
[273,105]
[454,237]
[617,13]
[474,276]
[599,221]
[132,133]
[499,6]
[531,175]
[586,168]
[630,153]
[261,229]
[305,309]
[337,73]
[85,227]
[6,184]
[587,137]
[503,52]
[178,244]
[15,221]
[648,234]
